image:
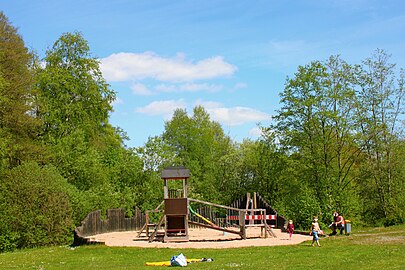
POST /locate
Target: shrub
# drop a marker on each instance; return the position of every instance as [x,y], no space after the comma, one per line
[35,208]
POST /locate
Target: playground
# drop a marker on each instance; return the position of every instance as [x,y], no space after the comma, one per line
[183,222]
[201,238]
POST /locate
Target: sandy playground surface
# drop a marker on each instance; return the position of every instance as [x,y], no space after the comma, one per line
[201,238]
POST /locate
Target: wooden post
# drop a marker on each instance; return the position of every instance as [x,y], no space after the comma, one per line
[166,189]
[264,223]
[147,223]
[247,200]
[249,206]
[185,188]
[254,200]
[242,224]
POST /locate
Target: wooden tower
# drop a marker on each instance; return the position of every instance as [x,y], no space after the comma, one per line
[176,204]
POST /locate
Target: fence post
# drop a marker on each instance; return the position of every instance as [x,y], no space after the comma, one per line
[242,223]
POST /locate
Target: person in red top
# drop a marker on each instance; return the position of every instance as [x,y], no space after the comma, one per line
[340,223]
[290,228]
[337,224]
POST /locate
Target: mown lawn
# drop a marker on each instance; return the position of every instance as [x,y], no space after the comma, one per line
[376,248]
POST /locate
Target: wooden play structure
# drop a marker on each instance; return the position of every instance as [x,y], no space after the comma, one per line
[176,207]
[179,212]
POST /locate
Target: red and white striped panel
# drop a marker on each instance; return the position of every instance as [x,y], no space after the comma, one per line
[260,217]
[255,217]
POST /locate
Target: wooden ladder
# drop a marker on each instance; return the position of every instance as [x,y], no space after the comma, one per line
[159,224]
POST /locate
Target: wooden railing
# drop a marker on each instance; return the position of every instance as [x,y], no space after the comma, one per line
[116,221]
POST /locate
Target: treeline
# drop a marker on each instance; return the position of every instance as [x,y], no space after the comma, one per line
[60,158]
[336,144]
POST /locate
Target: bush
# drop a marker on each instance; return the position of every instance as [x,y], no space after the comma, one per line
[35,208]
[302,209]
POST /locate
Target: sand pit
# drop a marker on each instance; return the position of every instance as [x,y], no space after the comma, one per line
[201,238]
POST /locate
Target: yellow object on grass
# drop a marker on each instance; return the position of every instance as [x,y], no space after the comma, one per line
[167,263]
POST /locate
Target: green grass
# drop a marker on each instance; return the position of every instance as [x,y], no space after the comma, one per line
[375,248]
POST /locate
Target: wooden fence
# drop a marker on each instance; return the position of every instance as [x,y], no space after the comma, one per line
[116,221]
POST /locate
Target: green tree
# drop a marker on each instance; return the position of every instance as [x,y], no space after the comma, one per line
[198,143]
[18,127]
[340,125]
[380,108]
[229,170]
[315,126]
[72,92]
[156,154]
[74,104]
[274,182]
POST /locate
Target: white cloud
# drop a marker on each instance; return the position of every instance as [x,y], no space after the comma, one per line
[188,87]
[141,89]
[233,116]
[237,115]
[163,107]
[208,104]
[148,65]
[227,116]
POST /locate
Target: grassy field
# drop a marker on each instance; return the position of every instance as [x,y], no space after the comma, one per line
[375,248]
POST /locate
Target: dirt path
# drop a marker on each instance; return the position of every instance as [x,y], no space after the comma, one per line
[201,238]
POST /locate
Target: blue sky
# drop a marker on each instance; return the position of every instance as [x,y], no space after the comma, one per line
[232,57]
